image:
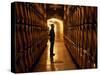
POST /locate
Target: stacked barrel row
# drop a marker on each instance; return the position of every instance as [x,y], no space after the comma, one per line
[31,34]
[80,34]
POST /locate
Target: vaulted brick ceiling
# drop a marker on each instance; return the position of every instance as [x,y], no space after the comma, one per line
[54,11]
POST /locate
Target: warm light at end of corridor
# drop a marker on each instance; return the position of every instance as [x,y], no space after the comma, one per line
[58,24]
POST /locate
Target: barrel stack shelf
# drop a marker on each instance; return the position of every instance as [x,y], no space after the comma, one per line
[80,34]
[30,29]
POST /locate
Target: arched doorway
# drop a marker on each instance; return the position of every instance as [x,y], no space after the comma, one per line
[58,23]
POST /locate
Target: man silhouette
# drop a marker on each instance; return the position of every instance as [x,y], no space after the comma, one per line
[52,38]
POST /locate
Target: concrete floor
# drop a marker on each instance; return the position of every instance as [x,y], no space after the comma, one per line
[61,60]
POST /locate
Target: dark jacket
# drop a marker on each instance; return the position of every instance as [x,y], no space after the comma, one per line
[52,35]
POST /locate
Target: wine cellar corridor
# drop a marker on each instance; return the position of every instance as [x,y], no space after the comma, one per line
[75,44]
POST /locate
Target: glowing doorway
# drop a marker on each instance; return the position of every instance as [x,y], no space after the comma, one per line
[58,28]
